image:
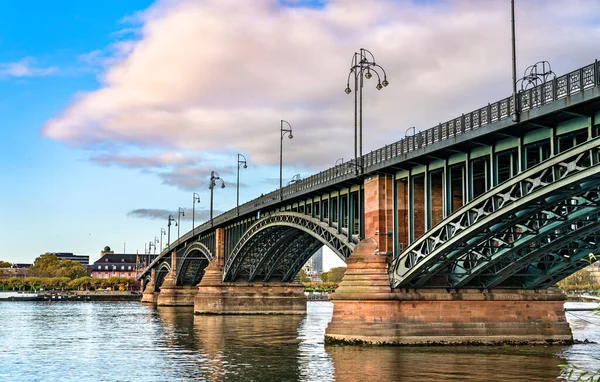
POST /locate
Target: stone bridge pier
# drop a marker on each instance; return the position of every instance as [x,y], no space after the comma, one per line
[368,310]
[215,296]
[172,294]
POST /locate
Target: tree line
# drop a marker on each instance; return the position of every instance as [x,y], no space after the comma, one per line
[64,283]
[50,272]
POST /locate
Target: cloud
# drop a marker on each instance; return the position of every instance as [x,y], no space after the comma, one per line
[24,68]
[149,213]
[217,76]
[200,215]
[159,160]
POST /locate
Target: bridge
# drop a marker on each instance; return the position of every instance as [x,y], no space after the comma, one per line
[454,234]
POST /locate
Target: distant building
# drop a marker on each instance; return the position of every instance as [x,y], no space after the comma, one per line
[81,259]
[317,261]
[11,272]
[112,264]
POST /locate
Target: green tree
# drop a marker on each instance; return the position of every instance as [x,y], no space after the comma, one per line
[71,269]
[81,283]
[48,265]
[580,280]
[5,264]
[334,275]
[45,265]
[302,277]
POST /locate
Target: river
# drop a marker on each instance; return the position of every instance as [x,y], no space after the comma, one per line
[128,341]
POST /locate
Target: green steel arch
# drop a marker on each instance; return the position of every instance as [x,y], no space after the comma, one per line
[523,233]
[279,244]
[194,260]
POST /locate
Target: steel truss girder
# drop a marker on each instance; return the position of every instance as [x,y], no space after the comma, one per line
[193,261]
[559,270]
[518,212]
[269,260]
[283,264]
[255,238]
[493,214]
[528,248]
[275,267]
[249,259]
[299,259]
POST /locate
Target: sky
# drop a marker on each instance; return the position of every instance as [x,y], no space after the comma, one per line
[114,113]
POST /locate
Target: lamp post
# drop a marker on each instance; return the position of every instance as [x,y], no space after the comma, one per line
[150,245]
[362,63]
[290,136]
[162,232]
[195,199]
[171,219]
[180,213]
[237,195]
[155,242]
[214,176]
[515,116]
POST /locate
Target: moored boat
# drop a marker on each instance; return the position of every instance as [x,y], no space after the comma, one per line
[19,296]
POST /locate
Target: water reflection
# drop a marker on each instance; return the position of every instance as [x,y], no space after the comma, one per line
[91,341]
[445,363]
[233,347]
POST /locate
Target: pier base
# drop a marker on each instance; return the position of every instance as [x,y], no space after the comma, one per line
[217,297]
[173,295]
[368,311]
[149,296]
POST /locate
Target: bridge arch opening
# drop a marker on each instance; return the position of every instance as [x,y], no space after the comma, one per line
[162,272]
[194,261]
[276,247]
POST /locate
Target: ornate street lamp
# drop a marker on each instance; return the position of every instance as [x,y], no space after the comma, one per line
[214,176]
[155,242]
[195,199]
[363,65]
[171,219]
[180,213]
[162,232]
[240,162]
[290,136]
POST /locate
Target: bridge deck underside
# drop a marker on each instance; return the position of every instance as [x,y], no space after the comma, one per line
[528,232]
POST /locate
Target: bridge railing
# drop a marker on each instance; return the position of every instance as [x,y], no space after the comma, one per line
[558,88]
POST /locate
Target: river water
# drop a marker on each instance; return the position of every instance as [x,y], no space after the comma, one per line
[128,341]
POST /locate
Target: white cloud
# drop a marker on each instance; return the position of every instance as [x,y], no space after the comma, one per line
[24,68]
[216,76]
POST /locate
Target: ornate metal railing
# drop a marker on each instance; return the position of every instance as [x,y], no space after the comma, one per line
[556,89]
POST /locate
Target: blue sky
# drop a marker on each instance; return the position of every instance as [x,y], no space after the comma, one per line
[113,113]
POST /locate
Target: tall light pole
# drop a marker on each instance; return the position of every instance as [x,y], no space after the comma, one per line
[162,232]
[180,213]
[240,162]
[155,242]
[290,136]
[363,65]
[214,176]
[195,199]
[515,116]
[171,219]
[150,245]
